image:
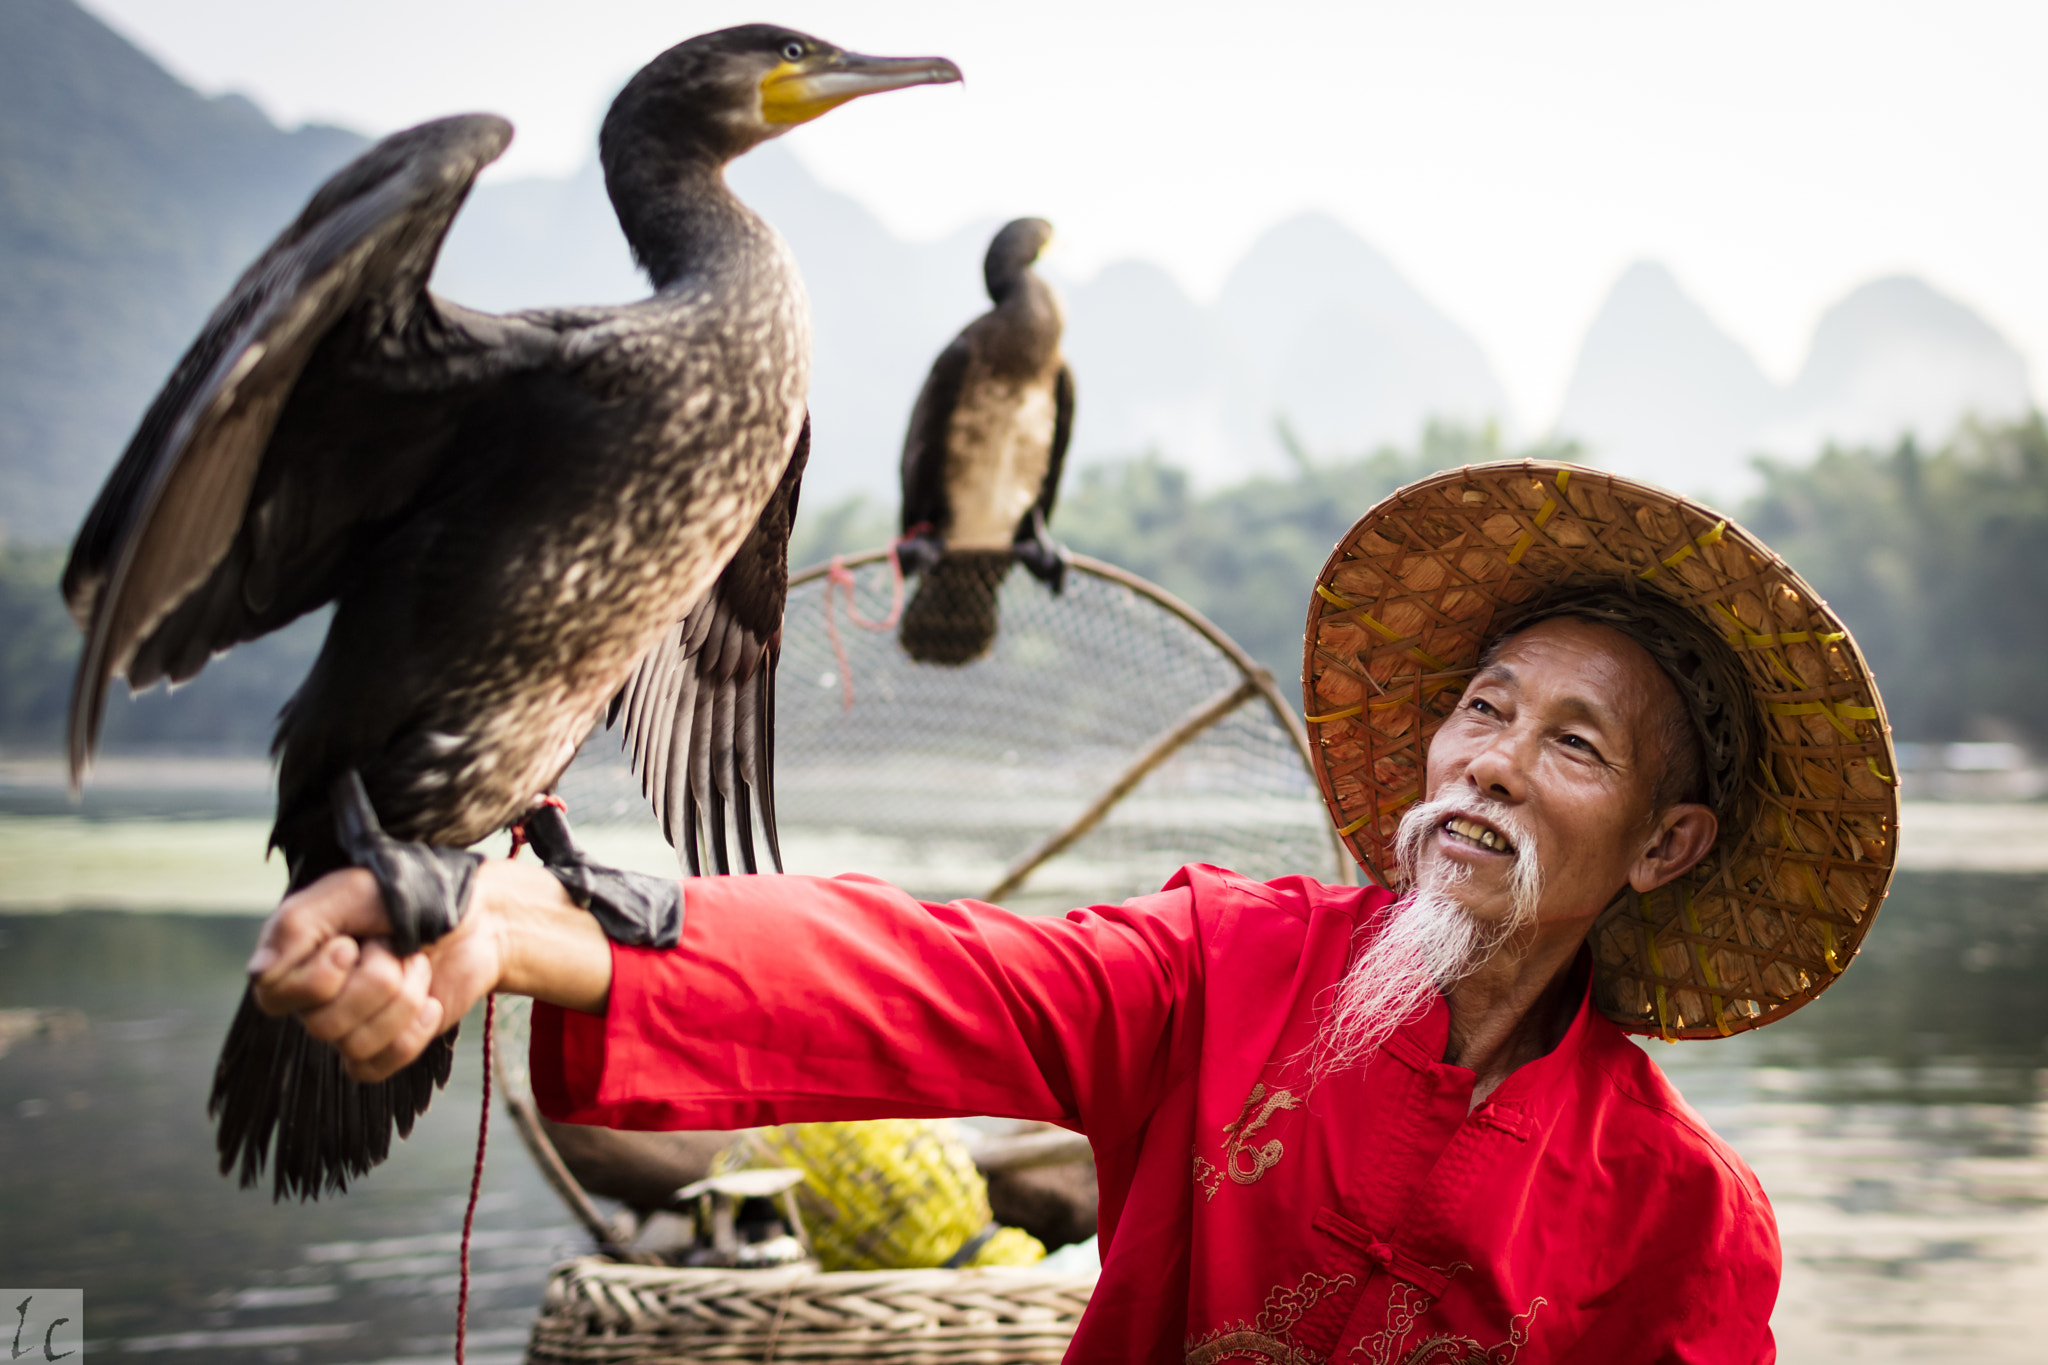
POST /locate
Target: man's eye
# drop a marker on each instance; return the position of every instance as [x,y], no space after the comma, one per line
[1482,706]
[1579,742]
[792,51]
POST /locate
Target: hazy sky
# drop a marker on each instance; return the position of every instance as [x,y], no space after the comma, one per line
[1511,157]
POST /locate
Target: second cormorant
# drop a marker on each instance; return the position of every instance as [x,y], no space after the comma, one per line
[982,458]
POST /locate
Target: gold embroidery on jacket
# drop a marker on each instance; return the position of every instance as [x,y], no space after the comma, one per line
[1270,1336]
[1208,1178]
[1443,1348]
[1405,1303]
[1237,1136]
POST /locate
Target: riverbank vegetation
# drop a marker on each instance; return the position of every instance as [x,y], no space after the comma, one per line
[1938,560]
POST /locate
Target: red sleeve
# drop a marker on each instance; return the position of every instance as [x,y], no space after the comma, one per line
[1704,1286]
[792,999]
[1733,1287]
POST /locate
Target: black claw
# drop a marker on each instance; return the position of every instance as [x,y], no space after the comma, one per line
[631,907]
[918,553]
[425,888]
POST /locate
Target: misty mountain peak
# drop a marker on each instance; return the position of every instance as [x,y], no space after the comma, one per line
[1660,391]
[1310,266]
[1344,347]
[1895,356]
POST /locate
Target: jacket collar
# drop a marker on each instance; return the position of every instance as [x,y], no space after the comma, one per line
[1420,1043]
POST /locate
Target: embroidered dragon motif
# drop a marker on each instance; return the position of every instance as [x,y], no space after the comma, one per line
[1441,1348]
[1237,1136]
[1269,1336]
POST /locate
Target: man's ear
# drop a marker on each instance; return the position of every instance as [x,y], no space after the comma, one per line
[1680,838]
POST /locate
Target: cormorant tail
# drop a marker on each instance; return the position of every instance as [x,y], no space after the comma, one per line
[951,618]
[282,1099]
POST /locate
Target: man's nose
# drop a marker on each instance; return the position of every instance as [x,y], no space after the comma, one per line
[1500,769]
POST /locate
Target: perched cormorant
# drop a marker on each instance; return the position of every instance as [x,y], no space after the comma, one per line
[508,514]
[981,461]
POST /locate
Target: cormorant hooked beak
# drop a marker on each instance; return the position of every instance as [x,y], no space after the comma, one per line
[799,91]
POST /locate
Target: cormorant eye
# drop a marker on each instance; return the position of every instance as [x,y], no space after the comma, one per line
[792,51]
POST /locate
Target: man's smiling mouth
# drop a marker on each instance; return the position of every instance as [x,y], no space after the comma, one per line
[1472,832]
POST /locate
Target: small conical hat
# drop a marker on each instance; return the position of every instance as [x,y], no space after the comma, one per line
[1416,590]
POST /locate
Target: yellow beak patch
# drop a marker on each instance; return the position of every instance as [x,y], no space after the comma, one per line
[789,94]
[798,92]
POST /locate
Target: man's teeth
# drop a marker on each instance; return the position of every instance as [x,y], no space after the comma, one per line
[1478,834]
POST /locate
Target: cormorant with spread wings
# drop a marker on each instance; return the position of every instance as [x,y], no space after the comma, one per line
[509,515]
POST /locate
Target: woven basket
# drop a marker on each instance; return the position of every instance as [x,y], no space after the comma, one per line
[1411,596]
[598,1312]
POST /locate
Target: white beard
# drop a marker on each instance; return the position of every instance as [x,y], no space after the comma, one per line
[1429,941]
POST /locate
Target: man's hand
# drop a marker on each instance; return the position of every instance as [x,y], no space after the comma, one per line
[323,956]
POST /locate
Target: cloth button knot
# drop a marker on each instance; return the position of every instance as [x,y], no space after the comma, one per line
[1381,1252]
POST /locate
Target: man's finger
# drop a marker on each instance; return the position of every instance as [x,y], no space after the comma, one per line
[312,981]
[382,1026]
[408,1045]
[344,902]
[370,986]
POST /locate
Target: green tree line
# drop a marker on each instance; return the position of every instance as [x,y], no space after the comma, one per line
[1938,561]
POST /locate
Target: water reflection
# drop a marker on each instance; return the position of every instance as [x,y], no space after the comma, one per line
[1900,1129]
[1899,1126]
[107,1179]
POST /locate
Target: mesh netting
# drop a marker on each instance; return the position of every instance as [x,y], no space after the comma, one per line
[943,778]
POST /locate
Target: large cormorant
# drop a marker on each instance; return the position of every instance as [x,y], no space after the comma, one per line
[981,461]
[508,513]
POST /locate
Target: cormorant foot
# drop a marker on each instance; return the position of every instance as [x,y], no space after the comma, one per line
[633,908]
[1044,558]
[916,553]
[425,889]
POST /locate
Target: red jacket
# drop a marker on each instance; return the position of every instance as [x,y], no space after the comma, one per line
[1583,1213]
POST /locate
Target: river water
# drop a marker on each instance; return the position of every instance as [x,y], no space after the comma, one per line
[1900,1126]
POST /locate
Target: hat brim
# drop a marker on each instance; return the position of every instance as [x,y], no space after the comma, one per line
[1423,582]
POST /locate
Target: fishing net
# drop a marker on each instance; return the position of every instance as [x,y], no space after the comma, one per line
[1099,739]
[1106,736]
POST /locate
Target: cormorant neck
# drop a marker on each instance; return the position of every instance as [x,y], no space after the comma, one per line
[1028,323]
[1025,295]
[678,215]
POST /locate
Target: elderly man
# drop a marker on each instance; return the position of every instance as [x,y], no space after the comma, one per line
[1330,1123]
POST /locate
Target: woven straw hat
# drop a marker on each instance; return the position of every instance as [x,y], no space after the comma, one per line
[1416,590]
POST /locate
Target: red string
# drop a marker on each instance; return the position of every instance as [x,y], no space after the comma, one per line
[476,1181]
[838,577]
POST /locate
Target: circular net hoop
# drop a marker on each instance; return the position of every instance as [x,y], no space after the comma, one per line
[1109,735]
[1411,596]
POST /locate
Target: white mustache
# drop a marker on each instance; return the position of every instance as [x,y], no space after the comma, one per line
[1525,878]
[1429,940]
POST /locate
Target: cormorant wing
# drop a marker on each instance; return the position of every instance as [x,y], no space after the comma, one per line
[1062,433]
[924,444]
[699,709]
[208,532]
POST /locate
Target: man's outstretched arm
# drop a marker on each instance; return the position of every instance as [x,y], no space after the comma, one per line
[321,956]
[794,998]
[787,998]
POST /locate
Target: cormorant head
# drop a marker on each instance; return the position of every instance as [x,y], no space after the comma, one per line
[1012,253]
[721,93]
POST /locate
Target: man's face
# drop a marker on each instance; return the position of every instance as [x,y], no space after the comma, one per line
[1564,728]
